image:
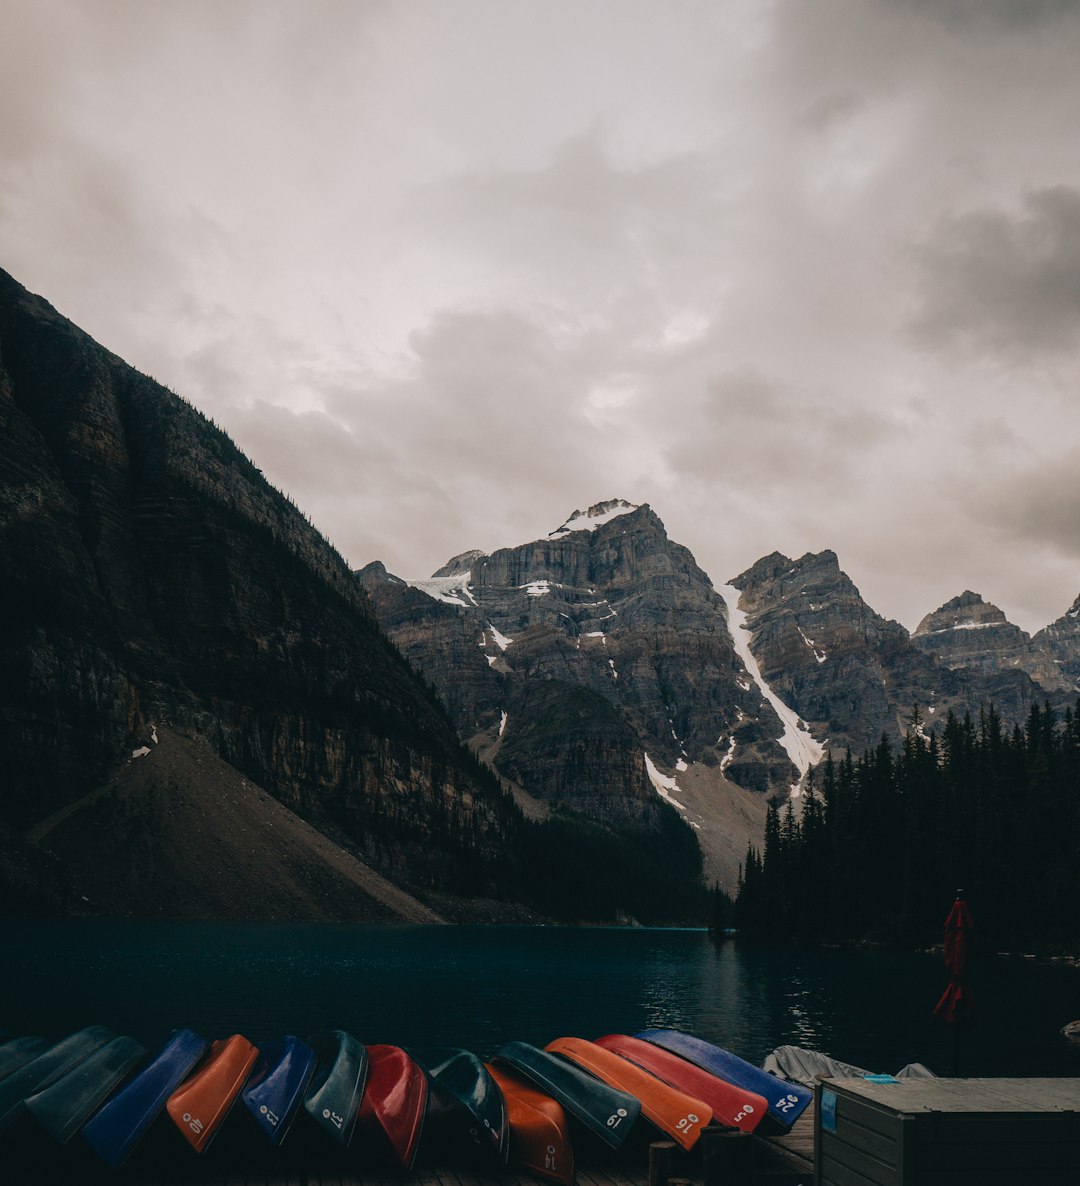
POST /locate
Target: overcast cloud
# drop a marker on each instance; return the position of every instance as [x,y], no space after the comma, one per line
[801,276]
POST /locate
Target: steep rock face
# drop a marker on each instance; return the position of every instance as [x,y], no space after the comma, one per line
[1061,640]
[969,632]
[150,574]
[611,631]
[851,674]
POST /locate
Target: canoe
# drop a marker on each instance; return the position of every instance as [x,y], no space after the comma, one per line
[65,1106]
[118,1127]
[735,1107]
[461,1084]
[48,1066]
[394,1100]
[333,1096]
[539,1135]
[16,1051]
[605,1111]
[275,1091]
[675,1113]
[786,1102]
[198,1107]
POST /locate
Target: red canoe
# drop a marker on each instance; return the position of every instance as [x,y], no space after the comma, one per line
[394,1100]
[199,1107]
[734,1106]
[676,1113]
[539,1136]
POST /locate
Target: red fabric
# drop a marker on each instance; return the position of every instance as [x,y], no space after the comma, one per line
[956,1002]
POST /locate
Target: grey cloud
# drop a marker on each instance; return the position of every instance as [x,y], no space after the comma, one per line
[1013,15]
[1003,285]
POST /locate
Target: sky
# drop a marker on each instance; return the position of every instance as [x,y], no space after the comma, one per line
[798,275]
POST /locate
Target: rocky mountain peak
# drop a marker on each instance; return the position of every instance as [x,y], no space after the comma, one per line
[1061,642]
[966,612]
[459,565]
[970,633]
[596,516]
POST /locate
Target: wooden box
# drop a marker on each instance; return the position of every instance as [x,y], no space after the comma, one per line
[948,1132]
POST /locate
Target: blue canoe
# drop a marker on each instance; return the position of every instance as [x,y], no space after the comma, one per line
[469,1099]
[786,1101]
[333,1096]
[276,1088]
[64,1107]
[115,1131]
[605,1111]
[52,1063]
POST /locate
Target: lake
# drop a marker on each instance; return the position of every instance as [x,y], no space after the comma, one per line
[478,987]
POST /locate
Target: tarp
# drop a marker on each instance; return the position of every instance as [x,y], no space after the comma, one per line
[808,1066]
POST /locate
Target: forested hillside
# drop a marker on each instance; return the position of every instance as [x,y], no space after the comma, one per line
[885,841]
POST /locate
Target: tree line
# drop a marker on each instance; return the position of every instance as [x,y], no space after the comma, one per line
[883,843]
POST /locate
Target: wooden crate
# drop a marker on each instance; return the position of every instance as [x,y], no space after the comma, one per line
[948,1132]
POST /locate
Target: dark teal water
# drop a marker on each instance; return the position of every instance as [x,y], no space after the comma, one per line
[481,986]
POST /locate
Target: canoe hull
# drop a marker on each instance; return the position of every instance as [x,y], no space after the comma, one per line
[333,1096]
[275,1091]
[198,1107]
[675,1113]
[68,1104]
[735,1107]
[394,1102]
[115,1130]
[539,1134]
[605,1111]
[786,1101]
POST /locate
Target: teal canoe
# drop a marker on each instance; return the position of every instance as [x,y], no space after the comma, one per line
[605,1111]
[64,1107]
[333,1096]
[465,1101]
[46,1068]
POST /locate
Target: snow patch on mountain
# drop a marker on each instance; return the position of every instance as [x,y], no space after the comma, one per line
[595,516]
[797,742]
[663,785]
[449,589]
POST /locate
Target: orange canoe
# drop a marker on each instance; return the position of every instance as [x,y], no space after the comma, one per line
[674,1112]
[199,1107]
[737,1107]
[394,1100]
[539,1137]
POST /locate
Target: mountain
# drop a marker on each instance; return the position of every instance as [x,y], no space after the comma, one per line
[968,632]
[853,675]
[596,670]
[1061,640]
[151,578]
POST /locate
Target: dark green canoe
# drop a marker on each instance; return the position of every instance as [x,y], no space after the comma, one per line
[465,1104]
[16,1051]
[333,1096]
[605,1111]
[46,1068]
[65,1106]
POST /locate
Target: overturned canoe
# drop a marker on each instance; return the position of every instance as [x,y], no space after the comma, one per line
[605,1111]
[674,1112]
[48,1066]
[786,1101]
[118,1127]
[65,1106]
[16,1051]
[333,1096]
[539,1135]
[199,1106]
[394,1100]
[733,1106]
[461,1084]
[275,1091]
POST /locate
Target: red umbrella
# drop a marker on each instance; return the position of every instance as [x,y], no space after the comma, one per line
[956,1002]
